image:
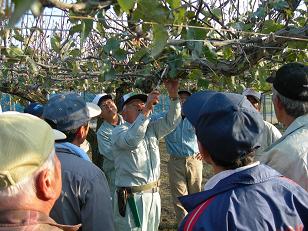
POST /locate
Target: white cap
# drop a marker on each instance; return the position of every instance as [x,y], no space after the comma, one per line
[253,93]
[93,110]
[99,96]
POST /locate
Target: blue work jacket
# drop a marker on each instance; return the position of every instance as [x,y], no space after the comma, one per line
[258,198]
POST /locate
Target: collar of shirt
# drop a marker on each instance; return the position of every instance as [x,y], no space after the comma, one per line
[224,174]
[74,149]
[15,218]
[296,124]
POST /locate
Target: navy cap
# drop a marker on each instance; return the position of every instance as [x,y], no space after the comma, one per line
[227,125]
[69,111]
[35,109]
[291,81]
[184,92]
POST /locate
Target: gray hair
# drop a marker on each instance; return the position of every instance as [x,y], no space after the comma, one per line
[27,185]
[293,108]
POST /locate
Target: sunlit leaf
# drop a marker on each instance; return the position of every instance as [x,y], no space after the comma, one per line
[160,36]
[119,54]
[151,11]
[271,26]
[300,20]
[14,52]
[111,45]
[117,10]
[196,33]
[36,8]
[86,27]
[174,3]
[297,44]
[190,14]
[109,75]
[197,49]
[20,7]
[195,74]
[55,43]
[139,54]
[208,53]
[179,17]
[75,29]
[126,5]
[260,13]
[203,83]
[217,12]
[18,36]
[175,61]
[101,19]
[75,53]
[33,65]
[228,53]
[100,28]
[280,4]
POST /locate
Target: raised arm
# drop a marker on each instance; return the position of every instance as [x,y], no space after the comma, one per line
[128,136]
[167,123]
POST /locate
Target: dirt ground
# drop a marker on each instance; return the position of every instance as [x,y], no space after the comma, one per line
[168,222]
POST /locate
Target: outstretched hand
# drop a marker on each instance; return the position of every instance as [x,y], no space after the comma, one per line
[153,98]
[172,86]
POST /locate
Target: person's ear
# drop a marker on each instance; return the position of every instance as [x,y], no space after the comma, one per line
[124,112]
[259,106]
[45,185]
[82,131]
[205,155]
[279,103]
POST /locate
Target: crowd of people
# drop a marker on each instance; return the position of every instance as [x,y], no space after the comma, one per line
[260,182]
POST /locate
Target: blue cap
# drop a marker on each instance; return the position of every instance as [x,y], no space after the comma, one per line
[227,125]
[69,111]
[35,109]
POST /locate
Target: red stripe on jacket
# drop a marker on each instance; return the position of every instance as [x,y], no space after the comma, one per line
[196,213]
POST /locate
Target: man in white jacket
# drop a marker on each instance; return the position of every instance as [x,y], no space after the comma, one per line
[135,149]
[289,155]
[111,119]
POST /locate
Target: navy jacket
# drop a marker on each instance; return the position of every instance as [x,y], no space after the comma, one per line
[85,196]
[258,198]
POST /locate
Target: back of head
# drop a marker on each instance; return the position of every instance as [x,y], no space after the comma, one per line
[69,111]
[227,125]
[291,81]
[290,86]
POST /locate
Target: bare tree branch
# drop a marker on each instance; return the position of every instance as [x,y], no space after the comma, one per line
[77,7]
[253,54]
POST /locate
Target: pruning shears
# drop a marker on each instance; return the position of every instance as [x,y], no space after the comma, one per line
[161,77]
